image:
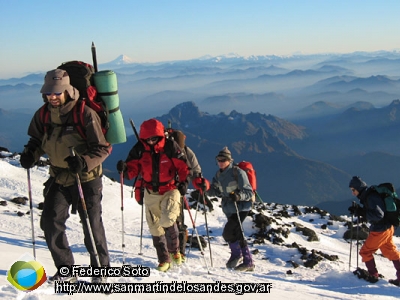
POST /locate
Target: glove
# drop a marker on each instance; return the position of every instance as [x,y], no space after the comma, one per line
[27,160]
[121,166]
[234,196]
[201,184]
[182,188]
[356,210]
[76,164]
[362,219]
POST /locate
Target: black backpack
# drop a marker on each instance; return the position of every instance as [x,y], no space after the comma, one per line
[391,201]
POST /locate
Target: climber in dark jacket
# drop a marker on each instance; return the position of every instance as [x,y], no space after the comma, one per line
[381,231]
[61,191]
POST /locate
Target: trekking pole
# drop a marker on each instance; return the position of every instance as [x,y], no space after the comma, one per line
[240,222]
[78,182]
[260,200]
[351,237]
[197,235]
[258,197]
[358,222]
[94,57]
[141,227]
[121,179]
[141,219]
[201,193]
[31,210]
[194,222]
[134,129]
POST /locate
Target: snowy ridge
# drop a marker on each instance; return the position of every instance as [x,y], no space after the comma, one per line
[274,262]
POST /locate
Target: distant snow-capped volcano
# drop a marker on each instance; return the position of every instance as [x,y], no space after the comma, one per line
[122,60]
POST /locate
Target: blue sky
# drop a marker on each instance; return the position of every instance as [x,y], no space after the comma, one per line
[37,35]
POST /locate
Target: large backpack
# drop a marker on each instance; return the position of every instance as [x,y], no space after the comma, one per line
[81,77]
[251,173]
[390,200]
[248,168]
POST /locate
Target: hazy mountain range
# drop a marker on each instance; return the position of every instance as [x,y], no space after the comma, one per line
[307,122]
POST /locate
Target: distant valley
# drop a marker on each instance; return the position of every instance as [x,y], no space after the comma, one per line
[307,122]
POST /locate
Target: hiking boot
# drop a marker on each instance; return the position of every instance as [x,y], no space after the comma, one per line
[395,282]
[164,267]
[247,265]
[183,258]
[233,262]
[367,276]
[236,255]
[57,277]
[396,264]
[373,275]
[245,268]
[373,278]
[176,258]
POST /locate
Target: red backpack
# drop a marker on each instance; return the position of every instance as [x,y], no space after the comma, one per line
[251,173]
[247,167]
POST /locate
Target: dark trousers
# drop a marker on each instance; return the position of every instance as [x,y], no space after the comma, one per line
[56,212]
[232,231]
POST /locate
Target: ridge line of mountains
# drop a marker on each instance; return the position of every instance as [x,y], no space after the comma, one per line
[338,117]
[294,164]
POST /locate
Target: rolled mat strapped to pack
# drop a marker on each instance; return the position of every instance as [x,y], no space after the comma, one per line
[107,88]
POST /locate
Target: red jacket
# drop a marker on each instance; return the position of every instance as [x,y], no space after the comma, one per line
[161,166]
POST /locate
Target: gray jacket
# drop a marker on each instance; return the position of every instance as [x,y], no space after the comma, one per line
[224,183]
[193,163]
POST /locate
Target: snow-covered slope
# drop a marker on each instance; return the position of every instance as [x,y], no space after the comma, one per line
[274,262]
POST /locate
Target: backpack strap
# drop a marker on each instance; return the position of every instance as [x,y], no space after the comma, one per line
[235,172]
[78,115]
[169,149]
[45,117]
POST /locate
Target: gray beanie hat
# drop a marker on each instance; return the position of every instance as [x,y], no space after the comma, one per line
[224,153]
[57,81]
[357,183]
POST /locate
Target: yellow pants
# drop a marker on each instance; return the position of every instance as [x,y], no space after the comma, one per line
[161,210]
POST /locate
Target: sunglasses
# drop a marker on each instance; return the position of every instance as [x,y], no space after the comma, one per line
[152,139]
[49,94]
[221,160]
[352,190]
